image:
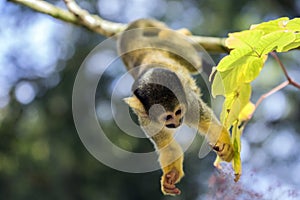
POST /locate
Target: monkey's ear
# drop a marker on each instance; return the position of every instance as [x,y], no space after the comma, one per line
[136,105]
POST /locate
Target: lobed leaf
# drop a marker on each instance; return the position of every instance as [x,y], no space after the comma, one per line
[293,45]
[275,41]
[243,39]
[271,26]
[293,24]
[236,58]
[278,24]
[252,68]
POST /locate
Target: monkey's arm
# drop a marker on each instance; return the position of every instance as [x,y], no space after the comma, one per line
[171,159]
[217,135]
[170,153]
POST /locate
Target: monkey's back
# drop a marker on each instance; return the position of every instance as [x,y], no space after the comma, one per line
[147,42]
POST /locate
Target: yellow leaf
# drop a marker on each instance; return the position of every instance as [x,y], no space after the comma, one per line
[217,85]
[244,39]
[271,26]
[247,111]
[236,141]
[234,103]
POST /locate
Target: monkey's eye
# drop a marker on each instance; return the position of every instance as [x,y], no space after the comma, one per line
[168,117]
[178,112]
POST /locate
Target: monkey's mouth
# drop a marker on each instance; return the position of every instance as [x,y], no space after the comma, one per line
[175,125]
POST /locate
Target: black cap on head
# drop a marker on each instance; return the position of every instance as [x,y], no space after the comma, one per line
[159,86]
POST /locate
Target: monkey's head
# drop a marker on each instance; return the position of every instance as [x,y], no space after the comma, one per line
[159,95]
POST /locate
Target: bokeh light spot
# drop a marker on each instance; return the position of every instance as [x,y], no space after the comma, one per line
[25,92]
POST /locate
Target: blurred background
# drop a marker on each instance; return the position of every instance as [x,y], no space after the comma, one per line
[41,155]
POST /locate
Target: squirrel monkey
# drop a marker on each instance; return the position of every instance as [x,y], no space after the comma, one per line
[165,95]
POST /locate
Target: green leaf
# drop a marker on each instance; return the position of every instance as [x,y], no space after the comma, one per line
[252,68]
[243,69]
[271,26]
[293,24]
[244,39]
[292,45]
[278,24]
[285,26]
[225,82]
[234,104]
[217,85]
[250,49]
[275,41]
[236,141]
[236,58]
[231,79]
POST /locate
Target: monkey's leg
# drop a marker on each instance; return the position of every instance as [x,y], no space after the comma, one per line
[171,159]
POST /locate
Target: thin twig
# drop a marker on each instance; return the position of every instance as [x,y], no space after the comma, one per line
[290,80]
[263,97]
[276,89]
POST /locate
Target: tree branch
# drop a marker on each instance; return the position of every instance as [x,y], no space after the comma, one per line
[94,22]
[49,9]
[79,16]
[211,44]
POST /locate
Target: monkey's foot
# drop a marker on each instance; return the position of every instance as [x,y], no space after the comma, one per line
[168,183]
[225,151]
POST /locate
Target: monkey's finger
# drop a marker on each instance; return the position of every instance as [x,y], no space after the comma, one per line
[172,173]
[172,176]
[169,186]
[174,191]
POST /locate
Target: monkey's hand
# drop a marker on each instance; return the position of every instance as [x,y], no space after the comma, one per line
[224,150]
[169,180]
[223,146]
